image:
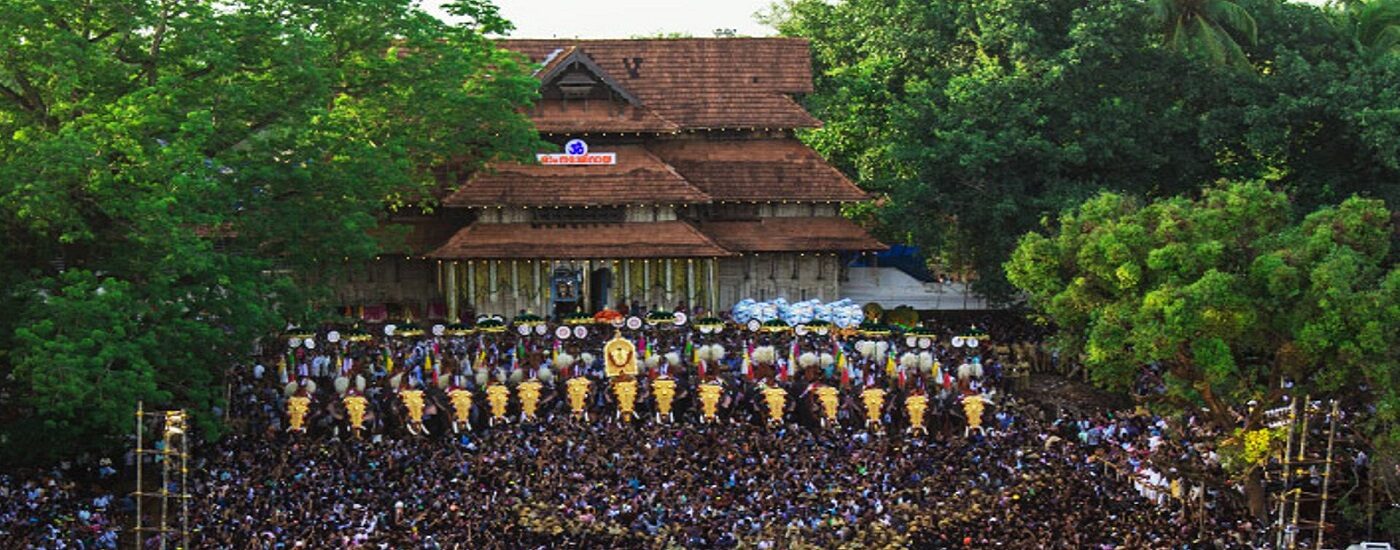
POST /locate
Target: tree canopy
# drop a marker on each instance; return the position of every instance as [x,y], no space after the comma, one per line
[978,118]
[1233,297]
[180,178]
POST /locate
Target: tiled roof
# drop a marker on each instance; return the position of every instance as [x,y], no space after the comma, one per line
[702,82]
[672,239]
[564,117]
[791,235]
[757,170]
[639,177]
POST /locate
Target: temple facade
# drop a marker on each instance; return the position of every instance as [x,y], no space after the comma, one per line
[675,180]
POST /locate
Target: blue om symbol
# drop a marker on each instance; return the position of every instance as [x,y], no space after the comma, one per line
[576,147]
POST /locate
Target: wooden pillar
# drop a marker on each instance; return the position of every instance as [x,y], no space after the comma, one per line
[452,292]
[471,285]
[626,281]
[515,279]
[713,292]
[646,283]
[690,283]
[540,291]
[670,283]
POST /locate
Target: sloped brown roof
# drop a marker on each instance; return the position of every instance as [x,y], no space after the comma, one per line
[757,170]
[791,235]
[564,117]
[487,241]
[701,82]
[639,177]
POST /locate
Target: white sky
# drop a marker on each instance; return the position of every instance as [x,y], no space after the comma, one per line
[626,18]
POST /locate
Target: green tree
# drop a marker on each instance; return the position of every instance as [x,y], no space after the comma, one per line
[1231,296]
[975,119]
[1372,25]
[182,177]
[1205,28]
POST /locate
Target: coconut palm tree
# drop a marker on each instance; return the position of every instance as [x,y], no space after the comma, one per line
[1208,29]
[1374,25]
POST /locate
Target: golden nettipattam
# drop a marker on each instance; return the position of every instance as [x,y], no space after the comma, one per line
[578,388]
[498,397]
[461,409]
[874,399]
[710,394]
[355,409]
[529,392]
[625,389]
[972,407]
[776,398]
[830,400]
[413,401]
[297,407]
[916,405]
[620,357]
[665,391]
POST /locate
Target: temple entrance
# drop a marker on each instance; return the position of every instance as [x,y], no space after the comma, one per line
[565,291]
[599,288]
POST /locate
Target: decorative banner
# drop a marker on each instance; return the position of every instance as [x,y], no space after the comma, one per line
[710,394]
[541,330]
[439,329]
[563,332]
[580,332]
[294,342]
[957,341]
[634,323]
[524,330]
[332,336]
[576,154]
[681,318]
[754,325]
[389,329]
[309,343]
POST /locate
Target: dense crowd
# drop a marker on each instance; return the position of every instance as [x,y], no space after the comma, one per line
[1038,477]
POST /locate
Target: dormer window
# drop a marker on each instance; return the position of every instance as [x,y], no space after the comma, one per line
[576,84]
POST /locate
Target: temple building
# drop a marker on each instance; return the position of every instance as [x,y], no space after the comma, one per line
[677,181]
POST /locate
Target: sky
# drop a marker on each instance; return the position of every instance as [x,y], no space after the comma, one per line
[627,18]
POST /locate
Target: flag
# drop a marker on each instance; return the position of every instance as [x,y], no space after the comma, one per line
[700,367]
[845,371]
[388,361]
[783,369]
[889,363]
[690,352]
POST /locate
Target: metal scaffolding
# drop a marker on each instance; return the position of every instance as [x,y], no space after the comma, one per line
[1306,475]
[172,455]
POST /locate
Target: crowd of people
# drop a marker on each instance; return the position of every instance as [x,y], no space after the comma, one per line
[1036,477]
